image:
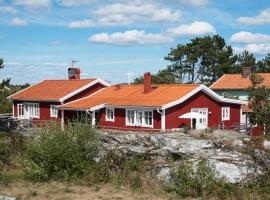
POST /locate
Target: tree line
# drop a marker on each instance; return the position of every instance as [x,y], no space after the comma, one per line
[7,89]
[204,60]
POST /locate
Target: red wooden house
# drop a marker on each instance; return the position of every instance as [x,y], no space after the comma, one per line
[38,102]
[158,107]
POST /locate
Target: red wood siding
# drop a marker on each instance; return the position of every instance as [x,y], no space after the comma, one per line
[45,106]
[86,92]
[120,120]
[201,100]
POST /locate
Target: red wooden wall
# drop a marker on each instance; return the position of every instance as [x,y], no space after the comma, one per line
[201,100]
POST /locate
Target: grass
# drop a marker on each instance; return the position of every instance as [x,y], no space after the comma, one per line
[68,157]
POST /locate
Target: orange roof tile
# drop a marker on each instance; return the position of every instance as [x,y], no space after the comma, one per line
[50,90]
[133,95]
[237,82]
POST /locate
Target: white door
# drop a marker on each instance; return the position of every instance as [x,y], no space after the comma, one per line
[201,123]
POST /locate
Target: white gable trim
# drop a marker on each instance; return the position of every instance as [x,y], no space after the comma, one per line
[84,88]
[207,91]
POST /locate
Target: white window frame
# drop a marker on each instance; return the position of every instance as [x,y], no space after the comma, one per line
[136,118]
[225,118]
[107,114]
[30,110]
[20,109]
[127,122]
[53,110]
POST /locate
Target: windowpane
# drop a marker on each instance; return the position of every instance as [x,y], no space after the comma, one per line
[109,114]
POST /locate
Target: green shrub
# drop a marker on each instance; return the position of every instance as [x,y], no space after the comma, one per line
[4,152]
[57,154]
[114,167]
[198,180]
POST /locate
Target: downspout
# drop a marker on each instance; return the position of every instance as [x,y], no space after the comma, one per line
[163,118]
[62,118]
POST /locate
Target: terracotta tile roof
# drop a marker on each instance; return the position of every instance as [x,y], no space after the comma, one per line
[133,95]
[50,90]
[237,82]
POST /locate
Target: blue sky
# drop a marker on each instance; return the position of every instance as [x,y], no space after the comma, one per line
[111,39]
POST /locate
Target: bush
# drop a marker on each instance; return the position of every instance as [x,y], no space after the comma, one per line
[57,154]
[114,167]
[198,180]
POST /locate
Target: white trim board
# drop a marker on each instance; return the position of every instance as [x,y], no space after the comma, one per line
[104,83]
[207,91]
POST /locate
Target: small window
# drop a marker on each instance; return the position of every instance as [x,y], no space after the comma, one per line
[20,110]
[225,113]
[130,117]
[54,111]
[109,114]
[148,118]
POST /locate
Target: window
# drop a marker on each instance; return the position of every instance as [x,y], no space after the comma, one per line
[225,113]
[131,117]
[20,112]
[54,111]
[139,118]
[148,117]
[110,114]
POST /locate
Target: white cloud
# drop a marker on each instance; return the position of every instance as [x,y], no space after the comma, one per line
[8,9]
[18,22]
[75,2]
[254,48]
[86,23]
[55,43]
[248,37]
[33,3]
[195,28]
[262,18]
[135,12]
[195,2]
[132,37]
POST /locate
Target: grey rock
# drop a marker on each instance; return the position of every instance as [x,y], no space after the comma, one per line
[7,198]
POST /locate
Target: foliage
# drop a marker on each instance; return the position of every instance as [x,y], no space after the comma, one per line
[114,167]
[259,102]
[263,65]
[198,180]
[57,154]
[246,59]
[162,77]
[203,59]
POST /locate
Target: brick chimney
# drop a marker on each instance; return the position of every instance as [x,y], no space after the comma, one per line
[246,71]
[147,82]
[74,73]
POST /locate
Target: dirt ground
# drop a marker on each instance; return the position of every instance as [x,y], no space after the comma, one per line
[64,191]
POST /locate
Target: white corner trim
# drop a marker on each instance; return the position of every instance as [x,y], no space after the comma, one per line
[102,82]
[163,120]
[217,80]
[207,91]
[24,89]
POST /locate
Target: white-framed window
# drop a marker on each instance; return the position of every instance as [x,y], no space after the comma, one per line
[26,110]
[110,114]
[130,117]
[54,111]
[148,118]
[20,111]
[142,118]
[32,109]
[225,113]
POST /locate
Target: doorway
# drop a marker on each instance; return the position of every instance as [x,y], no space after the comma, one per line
[200,123]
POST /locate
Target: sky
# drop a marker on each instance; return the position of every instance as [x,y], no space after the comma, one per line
[118,39]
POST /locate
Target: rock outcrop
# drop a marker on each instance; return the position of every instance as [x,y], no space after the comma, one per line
[168,148]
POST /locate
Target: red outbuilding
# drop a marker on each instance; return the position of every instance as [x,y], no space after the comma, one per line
[158,107]
[38,102]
